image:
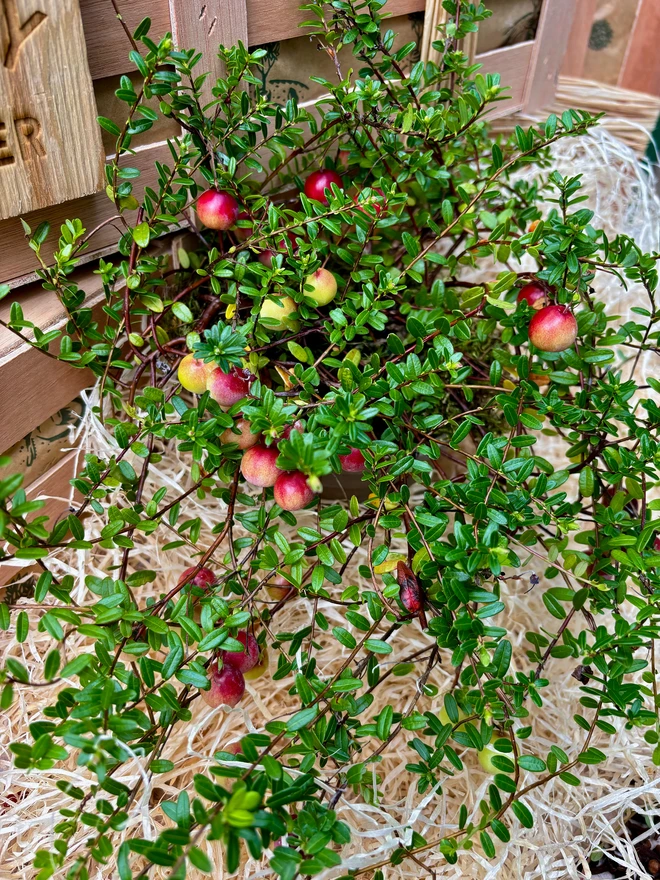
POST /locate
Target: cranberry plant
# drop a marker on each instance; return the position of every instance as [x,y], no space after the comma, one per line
[319,320]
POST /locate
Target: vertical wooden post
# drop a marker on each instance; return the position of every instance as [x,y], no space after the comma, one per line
[548,53]
[640,70]
[50,142]
[205,25]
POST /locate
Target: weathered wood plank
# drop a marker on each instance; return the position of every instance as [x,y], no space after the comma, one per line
[513,65]
[641,66]
[55,489]
[50,143]
[270,20]
[107,43]
[548,54]
[40,386]
[18,264]
[267,20]
[205,25]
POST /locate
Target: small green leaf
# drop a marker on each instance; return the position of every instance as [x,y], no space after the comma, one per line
[109,126]
[200,860]
[377,646]
[141,234]
[531,763]
[302,719]
[523,814]
[586,481]
[22,626]
[182,312]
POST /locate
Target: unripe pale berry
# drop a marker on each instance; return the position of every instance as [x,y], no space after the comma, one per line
[193,374]
[241,434]
[534,295]
[323,286]
[553,328]
[278,587]
[444,718]
[217,209]
[281,309]
[353,462]
[260,667]
[227,388]
[486,756]
[227,686]
[246,659]
[317,183]
[258,466]
[291,491]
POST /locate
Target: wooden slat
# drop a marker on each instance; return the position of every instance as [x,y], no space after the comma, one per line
[205,25]
[110,106]
[51,389]
[271,20]
[107,43]
[513,64]
[47,108]
[40,385]
[17,264]
[578,38]
[641,66]
[267,20]
[548,54]
[435,16]
[55,489]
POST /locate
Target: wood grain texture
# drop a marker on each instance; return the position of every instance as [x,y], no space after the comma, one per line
[34,386]
[270,20]
[641,65]
[549,50]
[205,25]
[50,143]
[43,390]
[578,38]
[267,20]
[55,489]
[109,105]
[434,15]
[18,263]
[107,43]
[513,65]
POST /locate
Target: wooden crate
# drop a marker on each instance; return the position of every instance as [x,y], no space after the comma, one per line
[528,67]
